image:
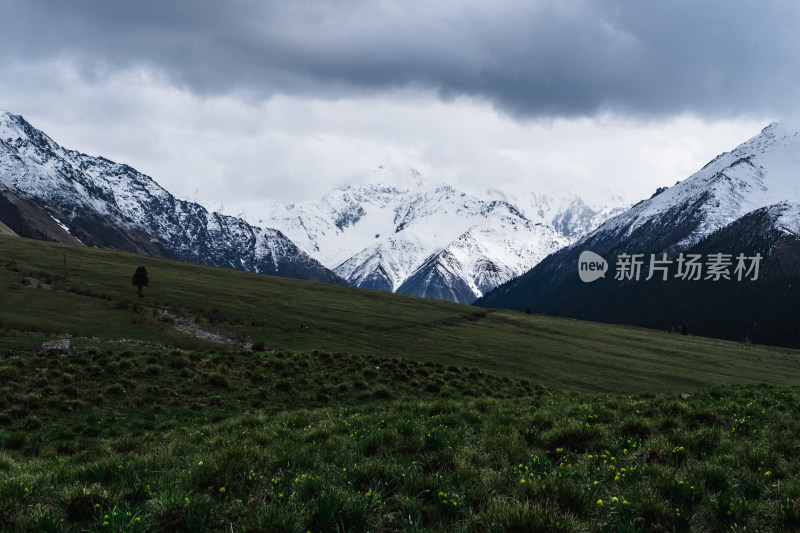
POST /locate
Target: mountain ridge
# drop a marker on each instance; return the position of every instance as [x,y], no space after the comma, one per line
[412,236]
[404,238]
[743,201]
[107,204]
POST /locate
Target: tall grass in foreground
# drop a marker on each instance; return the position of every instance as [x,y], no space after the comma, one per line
[148,440]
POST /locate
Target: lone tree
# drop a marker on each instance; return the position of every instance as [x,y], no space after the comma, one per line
[140,280]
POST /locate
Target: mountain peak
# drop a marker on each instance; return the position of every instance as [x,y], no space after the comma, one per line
[759,172]
[401,176]
[14,127]
[13,121]
[10,125]
[422,237]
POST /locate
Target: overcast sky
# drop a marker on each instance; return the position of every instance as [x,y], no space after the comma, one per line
[238,103]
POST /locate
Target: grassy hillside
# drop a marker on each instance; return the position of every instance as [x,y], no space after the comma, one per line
[97,300]
[371,411]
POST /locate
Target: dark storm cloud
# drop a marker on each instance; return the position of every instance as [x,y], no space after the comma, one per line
[529,58]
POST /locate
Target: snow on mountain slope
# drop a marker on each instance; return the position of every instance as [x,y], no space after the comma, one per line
[27,219]
[396,233]
[749,195]
[380,236]
[107,204]
[340,224]
[567,212]
[787,217]
[490,253]
[387,263]
[759,172]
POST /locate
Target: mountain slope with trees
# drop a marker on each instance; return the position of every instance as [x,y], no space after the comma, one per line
[743,202]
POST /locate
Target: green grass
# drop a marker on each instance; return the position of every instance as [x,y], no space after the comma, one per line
[185,441]
[99,301]
[364,411]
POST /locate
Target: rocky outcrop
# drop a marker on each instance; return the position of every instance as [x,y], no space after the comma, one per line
[57,348]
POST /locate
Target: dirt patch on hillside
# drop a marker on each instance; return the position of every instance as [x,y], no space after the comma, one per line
[189,326]
[5,230]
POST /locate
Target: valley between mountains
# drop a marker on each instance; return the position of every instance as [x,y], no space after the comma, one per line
[337,408]
[426,239]
[401,232]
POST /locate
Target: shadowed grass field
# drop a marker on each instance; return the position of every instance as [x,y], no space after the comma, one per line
[97,300]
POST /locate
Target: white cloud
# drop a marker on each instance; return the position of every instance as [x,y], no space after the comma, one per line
[237,153]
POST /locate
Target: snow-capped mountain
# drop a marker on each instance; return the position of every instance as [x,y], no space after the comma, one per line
[106,204]
[483,257]
[758,173]
[427,239]
[743,201]
[567,212]
[397,233]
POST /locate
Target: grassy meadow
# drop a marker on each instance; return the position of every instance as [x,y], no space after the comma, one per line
[97,302]
[338,409]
